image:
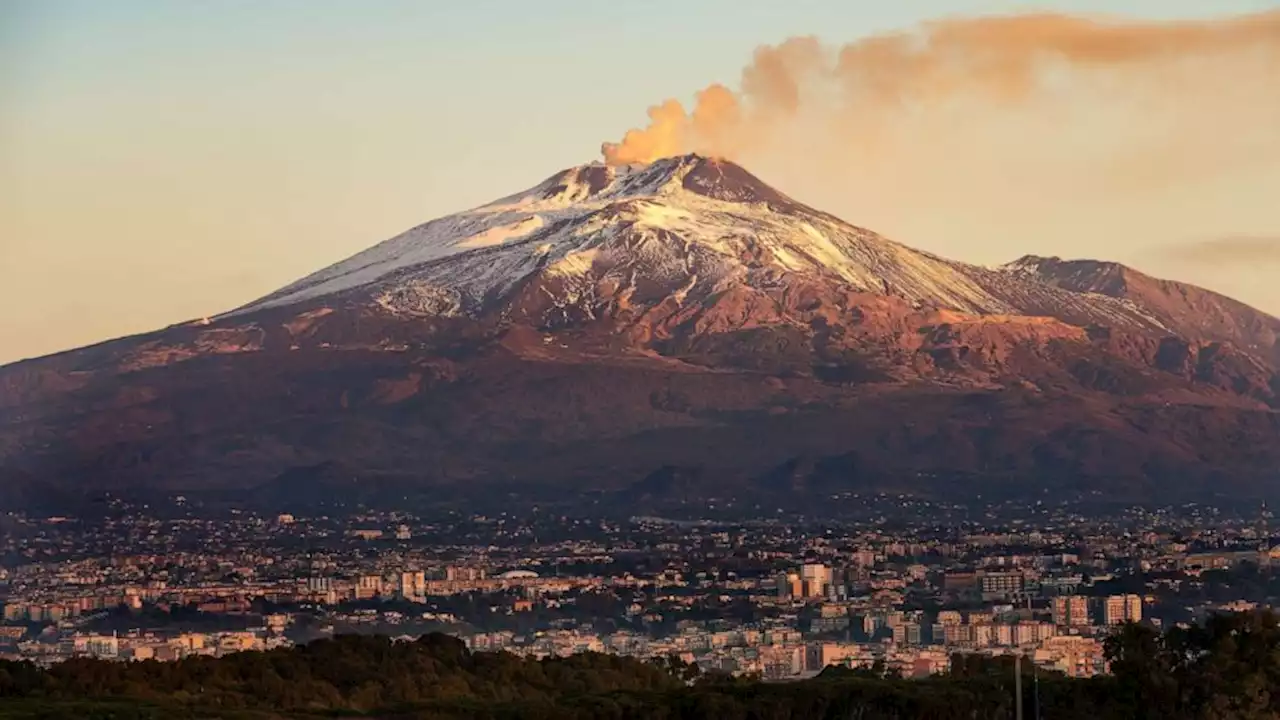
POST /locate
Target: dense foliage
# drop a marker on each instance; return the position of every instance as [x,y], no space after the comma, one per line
[1222,669]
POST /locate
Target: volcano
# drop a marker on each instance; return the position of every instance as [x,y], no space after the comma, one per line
[672,331]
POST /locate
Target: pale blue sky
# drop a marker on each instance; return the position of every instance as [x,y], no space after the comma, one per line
[162,160]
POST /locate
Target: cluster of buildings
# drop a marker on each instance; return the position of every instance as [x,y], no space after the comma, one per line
[53,603]
[785,653]
[138,645]
[764,596]
[822,622]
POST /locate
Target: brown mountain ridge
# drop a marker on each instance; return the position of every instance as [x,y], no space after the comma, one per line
[670,331]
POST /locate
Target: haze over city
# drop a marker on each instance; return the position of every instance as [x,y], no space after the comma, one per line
[163,162]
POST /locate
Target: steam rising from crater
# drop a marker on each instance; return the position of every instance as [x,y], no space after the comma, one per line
[1011,63]
[991,137]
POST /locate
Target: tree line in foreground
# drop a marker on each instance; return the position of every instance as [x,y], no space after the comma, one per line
[1222,669]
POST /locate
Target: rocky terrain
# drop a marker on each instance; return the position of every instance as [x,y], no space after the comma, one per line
[670,333]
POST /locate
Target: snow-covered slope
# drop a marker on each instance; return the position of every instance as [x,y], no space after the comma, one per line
[686,227]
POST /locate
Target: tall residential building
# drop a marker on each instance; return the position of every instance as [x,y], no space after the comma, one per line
[1003,634]
[1058,607]
[1030,633]
[413,585]
[873,623]
[907,634]
[983,635]
[944,634]
[1001,583]
[1070,611]
[464,574]
[368,586]
[1119,609]
[814,578]
[1133,608]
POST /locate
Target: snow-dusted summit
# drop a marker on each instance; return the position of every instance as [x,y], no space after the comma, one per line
[613,328]
[686,228]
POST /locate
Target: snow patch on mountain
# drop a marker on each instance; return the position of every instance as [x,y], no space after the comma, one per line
[502,233]
[574,263]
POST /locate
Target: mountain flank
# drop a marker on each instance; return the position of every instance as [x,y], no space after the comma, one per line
[663,333]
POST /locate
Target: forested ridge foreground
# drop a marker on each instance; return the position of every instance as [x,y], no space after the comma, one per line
[1226,669]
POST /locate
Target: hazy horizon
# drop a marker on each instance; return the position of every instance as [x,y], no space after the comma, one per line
[159,164]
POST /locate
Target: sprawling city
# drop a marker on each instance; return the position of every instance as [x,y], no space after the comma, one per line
[778,599]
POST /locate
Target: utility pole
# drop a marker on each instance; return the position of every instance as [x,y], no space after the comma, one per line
[1035,677]
[1017,685]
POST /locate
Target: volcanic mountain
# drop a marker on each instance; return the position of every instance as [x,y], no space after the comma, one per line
[673,330]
